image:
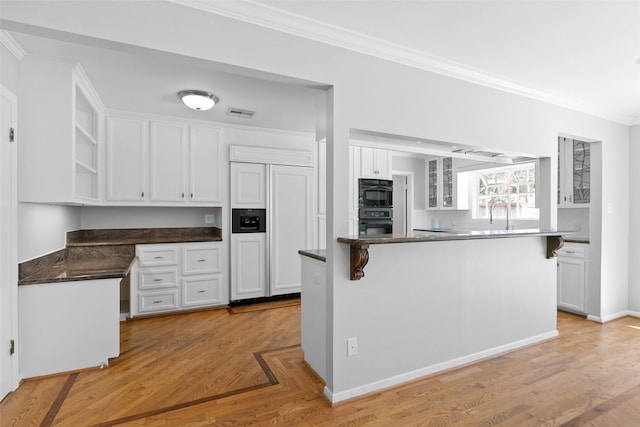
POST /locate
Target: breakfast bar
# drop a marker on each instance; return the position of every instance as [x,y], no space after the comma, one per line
[430,301]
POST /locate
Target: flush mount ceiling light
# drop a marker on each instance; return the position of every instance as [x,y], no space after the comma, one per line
[198,100]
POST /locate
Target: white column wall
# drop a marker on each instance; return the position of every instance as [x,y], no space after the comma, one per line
[634,224]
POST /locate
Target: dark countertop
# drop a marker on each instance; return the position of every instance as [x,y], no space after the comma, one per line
[104,254]
[319,254]
[444,235]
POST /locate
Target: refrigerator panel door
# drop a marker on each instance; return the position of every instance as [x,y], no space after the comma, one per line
[248,185]
[248,266]
[291,225]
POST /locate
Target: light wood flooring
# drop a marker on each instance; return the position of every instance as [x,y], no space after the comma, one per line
[217,368]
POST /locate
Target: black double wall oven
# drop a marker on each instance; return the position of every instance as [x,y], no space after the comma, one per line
[375,210]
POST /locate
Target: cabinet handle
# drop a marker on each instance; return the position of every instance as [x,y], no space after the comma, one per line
[192,195]
[570,199]
[201,260]
[201,291]
[569,252]
[142,194]
[157,257]
[158,301]
[157,280]
[183,195]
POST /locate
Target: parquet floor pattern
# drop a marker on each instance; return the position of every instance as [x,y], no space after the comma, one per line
[216,368]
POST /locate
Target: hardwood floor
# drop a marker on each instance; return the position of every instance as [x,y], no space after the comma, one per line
[217,368]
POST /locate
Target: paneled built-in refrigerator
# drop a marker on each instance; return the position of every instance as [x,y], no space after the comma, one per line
[266,263]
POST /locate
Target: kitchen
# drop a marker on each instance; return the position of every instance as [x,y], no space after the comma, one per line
[336,169]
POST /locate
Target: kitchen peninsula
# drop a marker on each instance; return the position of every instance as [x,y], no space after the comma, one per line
[432,301]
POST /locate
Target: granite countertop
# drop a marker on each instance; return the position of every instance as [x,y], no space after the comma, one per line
[319,254]
[104,254]
[443,235]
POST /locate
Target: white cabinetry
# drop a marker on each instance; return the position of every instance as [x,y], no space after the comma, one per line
[572,277]
[375,163]
[126,159]
[171,277]
[441,183]
[162,162]
[574,173]
[61,131]
[167,147]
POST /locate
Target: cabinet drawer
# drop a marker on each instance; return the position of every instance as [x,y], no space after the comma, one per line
[157,279]
[573,251]
[150,257]
[158,301]
[201,260]
[201,291]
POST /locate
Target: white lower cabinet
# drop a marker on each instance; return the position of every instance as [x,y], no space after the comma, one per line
[177,276]
[572,277]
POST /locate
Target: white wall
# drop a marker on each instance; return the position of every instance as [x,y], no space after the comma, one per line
[9,70]
[634,224]
[143,217]
[446,109]
[42,228]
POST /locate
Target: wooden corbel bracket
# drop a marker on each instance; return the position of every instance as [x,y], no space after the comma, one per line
[554,243]
[359,258]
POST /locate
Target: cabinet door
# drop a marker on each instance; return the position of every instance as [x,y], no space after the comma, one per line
[248,266]
[205,184]
[126,159]
[581,172]
[447,182]
[291,225]
[367,163]
[382,162]
[571,284]
[248,185]
[432,183]
[167,162]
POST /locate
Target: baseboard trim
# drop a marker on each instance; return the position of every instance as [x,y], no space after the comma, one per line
[433,369]
[614,316]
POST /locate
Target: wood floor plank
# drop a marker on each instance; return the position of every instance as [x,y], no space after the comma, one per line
[247,369]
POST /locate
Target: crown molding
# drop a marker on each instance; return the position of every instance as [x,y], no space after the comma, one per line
[12,45]
[261,14]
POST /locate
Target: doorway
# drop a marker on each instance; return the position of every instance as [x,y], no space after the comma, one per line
[402,201]
[8,245]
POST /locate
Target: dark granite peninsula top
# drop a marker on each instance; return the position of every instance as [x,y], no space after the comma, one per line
[359,254]
[104,254]
[319,254]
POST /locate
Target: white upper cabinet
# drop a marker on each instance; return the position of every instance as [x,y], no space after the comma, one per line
[205,183]
[126,159]
[167,148]
[375,163]
[167,163]
[440,183]
[249,185]
[574,173]
[61,126]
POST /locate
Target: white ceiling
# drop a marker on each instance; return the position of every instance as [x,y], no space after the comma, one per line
[583,55]
[146,81]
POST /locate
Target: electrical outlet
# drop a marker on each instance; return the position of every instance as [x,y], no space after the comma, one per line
[352,346]
[209,219]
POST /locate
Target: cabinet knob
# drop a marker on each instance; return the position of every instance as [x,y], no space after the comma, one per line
[183,195]
[192,195]
[142,194]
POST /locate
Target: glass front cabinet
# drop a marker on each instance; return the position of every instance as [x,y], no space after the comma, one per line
[574,173]
[440,183]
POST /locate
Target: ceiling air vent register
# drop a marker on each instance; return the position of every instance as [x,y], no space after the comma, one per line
[239,112]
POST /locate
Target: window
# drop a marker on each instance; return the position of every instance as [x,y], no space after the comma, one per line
[512,187]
